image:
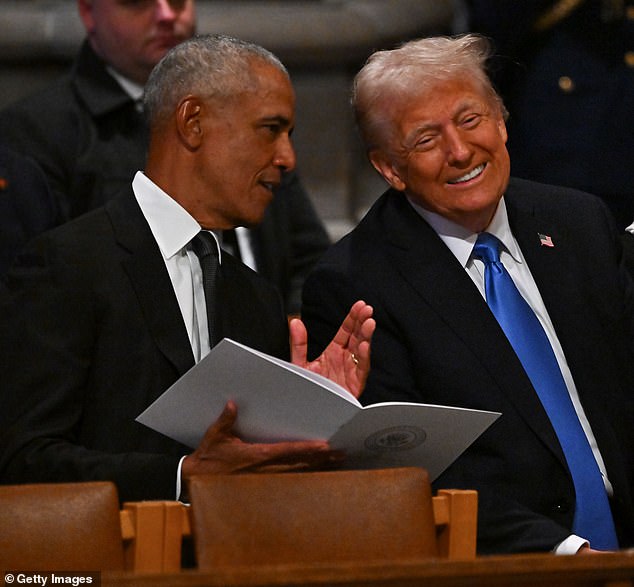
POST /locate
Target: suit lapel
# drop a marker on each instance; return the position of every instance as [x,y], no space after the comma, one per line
[146,270]
[431,269]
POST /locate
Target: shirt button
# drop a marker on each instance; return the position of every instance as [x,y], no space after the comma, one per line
[566,84]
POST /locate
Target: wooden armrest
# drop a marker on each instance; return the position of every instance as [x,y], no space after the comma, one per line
[152,532]
[456,519]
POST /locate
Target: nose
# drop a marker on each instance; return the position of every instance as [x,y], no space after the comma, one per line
[285,157]
[457,148]
[167,9]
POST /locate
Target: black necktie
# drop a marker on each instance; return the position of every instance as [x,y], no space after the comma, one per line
[204,245]
[592,519]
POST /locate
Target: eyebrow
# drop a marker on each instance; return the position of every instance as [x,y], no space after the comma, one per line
[281,120]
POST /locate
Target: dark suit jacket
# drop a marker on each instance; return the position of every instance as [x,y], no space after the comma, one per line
[90,334]
[27,206]
[437,342]
[627,240]
[88,137]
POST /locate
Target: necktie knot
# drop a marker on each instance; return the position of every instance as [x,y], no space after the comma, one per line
[204,244]
[487,248]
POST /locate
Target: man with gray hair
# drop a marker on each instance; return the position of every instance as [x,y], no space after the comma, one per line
[104,313]
[490,293]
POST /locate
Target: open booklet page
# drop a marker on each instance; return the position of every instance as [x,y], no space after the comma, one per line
[277,401]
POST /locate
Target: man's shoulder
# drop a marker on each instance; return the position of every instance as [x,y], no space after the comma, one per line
[547,194]
[97,227]
[84,89]
[558,208]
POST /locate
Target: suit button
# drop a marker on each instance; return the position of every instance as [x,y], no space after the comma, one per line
[566,84]
[561,507]
[629,59]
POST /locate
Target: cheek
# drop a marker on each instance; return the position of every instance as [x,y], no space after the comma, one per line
[426,169]
[185,25]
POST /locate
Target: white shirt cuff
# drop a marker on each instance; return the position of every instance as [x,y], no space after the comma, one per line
[570,545]
[178,478]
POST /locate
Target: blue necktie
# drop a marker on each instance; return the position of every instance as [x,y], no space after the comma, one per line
[593,518]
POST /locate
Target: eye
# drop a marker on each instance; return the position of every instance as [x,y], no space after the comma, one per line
[274,128]
[177,5]
[141,4]
[471,120]
[425,142]
[270,130]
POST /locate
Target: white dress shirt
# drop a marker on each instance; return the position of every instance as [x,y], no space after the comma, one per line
[173,229]
[460,242]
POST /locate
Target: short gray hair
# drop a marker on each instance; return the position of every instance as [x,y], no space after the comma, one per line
[412,69]
[209,66]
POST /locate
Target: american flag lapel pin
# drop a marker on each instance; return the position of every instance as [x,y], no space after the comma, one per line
[545,240]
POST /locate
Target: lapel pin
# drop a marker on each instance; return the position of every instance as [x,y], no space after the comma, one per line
[545,240]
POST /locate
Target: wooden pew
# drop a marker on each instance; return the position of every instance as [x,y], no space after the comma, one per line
[153,531]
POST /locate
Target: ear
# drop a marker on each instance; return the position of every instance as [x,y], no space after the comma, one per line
[84,7]
[502,128]
[382,163]
[188,121]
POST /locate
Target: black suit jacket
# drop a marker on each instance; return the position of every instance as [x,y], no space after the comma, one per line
[437,342]
[88,137]
[27,206]
[90,334]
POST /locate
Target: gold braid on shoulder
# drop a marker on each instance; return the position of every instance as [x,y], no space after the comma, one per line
[555,14]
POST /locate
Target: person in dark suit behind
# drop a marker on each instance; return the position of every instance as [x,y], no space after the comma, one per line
[105,312]
[434,129]
[89,135]
[565,69]
[27,206]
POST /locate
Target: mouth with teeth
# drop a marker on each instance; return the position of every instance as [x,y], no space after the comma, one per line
[475,172]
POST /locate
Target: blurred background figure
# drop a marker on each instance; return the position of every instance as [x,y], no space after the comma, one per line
[566,73]
[27,206]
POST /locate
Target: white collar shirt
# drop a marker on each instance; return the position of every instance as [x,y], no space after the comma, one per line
[460,242]
[173,229]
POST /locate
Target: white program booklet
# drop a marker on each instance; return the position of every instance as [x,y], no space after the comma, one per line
[279,401]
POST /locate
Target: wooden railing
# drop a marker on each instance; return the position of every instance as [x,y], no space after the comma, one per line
[543,570]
